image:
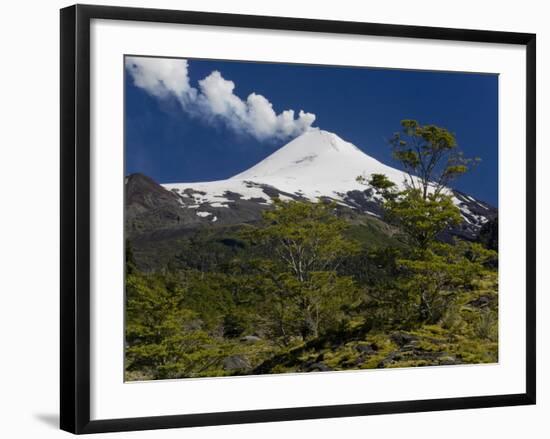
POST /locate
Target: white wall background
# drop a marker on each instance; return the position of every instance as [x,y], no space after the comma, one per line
[29,200]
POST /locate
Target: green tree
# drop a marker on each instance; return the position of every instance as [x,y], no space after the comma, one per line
[429,155]
[305,237]
[438,277]
[488,234]
[431,275]
[421,220]
[307,246]
[380,182]
[164,339]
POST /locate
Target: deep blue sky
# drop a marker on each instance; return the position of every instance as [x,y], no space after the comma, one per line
[361,105]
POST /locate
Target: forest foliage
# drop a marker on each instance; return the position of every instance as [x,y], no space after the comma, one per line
[304,291]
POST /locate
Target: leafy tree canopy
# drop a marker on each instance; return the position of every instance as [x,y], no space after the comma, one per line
[429,155]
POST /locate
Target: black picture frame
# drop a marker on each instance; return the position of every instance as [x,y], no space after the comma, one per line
[75,217]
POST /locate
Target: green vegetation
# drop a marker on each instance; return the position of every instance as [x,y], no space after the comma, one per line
[311,288]
[430,155]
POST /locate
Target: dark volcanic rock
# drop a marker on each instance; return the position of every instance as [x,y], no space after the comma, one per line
[235,362]
[273,192]
[145,192]
[153,213]
[364,201]
[475,213]
[150,207]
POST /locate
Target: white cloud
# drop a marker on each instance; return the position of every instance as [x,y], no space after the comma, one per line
[161,77]
[215,99]
[217,95]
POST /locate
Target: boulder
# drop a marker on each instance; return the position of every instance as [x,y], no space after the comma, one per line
[235,362]
[402,338]
[250,339]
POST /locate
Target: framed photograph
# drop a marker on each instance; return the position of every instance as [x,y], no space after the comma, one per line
[268,219]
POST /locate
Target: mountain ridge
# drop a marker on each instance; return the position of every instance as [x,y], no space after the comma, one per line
[318,165]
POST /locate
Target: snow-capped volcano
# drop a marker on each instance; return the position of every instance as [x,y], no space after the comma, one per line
[316,165]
